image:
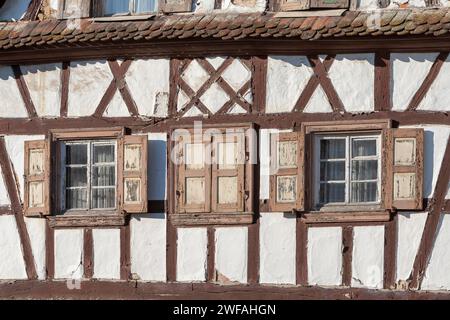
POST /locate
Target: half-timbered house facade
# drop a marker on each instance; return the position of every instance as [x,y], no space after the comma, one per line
[224,149]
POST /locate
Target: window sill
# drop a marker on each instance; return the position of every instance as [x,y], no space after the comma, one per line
[80,221]
[311,13]
[333,217]
[211,219]
[124,18]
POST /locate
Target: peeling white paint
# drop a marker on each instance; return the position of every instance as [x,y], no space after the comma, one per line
[69,254]
[437,98]
[352,76]
[191,254]
[408,72]
[410,229]
[368,257]
[12,265]
[4,197]
[44,83]
[148,247]
[325,256]
[157,166]
[106,244]
[36,231]
[231,253]
[437,276]
[12,105]
[277,248]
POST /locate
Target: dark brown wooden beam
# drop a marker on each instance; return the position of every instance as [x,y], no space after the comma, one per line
[65,77]
[24,92]
[259,83]
[301,253]
[32,10]
[5,210]
[390,253]
[253,253]
[210,265]
[171,252]
[88,254]
[49,251]
[382,85]
[347,255]
[125,258]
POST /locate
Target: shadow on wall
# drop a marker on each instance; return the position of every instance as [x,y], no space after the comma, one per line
[156,172]
[13,9]
[6,72]
[428,162]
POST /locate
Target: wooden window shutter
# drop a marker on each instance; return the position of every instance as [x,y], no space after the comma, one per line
[228,169]
[132,173]
[193,183]
[330,4]
[75,8]
[175,5]
[287,177]
[291,5]
[37,178]
[404,169]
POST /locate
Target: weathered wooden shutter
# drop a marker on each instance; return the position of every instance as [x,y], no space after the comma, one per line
[132,173]
[335,4]
[287,177]
[193,186]
[291,5]
[228,169]
[404,168]
[175,5]
[37,178]
[75,8]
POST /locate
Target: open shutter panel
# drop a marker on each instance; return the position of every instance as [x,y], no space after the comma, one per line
[291,5]
[405,163]
[133,173]
[175,5]
[76,8]
[37,178]
[193,174]
[287,171]
[228,171]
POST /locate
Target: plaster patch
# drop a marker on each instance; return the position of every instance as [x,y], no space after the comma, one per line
[318,103]
[277,248]
[36,231]
[12,265]
[191,254]
[106,245]
[12,105]
[231,253]
[69,254]
[325,256]
[148,246]
[437,98]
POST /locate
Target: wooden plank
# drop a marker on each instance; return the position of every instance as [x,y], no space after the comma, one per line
[382,84]
[347,255]
[253,253]
[210,272]
[24,92]
[174,75]
[171,252]
[49,251]
[125,259]
[259,83]
[301,253]
[6,210]
[65,77]
[88,254]
[390,253]
[32,10]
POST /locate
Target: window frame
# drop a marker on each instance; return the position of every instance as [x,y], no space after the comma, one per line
[97,10]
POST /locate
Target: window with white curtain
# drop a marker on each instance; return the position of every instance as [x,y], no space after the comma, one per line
[347,169]
[89,175]
[123,7]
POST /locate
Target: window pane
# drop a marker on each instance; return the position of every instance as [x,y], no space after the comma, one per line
[76,154]
[76,177]
[111,7]
[194,158]
[103,176]
[332,149]
[364,192]
[364,148]
[332,192]
[334,170]
[145,6]
[76,199]
[103,153]
[364,169]
[103,198]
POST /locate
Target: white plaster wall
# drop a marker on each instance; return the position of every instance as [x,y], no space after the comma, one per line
[4,197]
[191,254]
[277,248]
[148,81]
[231,253]
[437,98]
[106,245]
[88,83]
[157,166]
[287,76]
[12,105]
[410,229]
[367,4]
[148,247]
[202,6]
[36,231]
[408,72]
[325,256]
[318,103]
[13,10]
[15,146]
[44,83]
[69,254]
[437,276]
[352,76]
[117,107]
[368,257]
[12,265]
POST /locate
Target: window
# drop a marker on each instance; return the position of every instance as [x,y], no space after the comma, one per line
[124,7]
[297,5]
[347,169]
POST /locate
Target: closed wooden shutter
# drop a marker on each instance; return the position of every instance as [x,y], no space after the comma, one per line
[132,173]
[287,177]
[228,169]
[193,186]
[37,178]
[404,176]
[175,5]
[291,5]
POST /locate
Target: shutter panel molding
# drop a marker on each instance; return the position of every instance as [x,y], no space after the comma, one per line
[132,173]
[287,165]
[37,178]
[404,189]
[175,5]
